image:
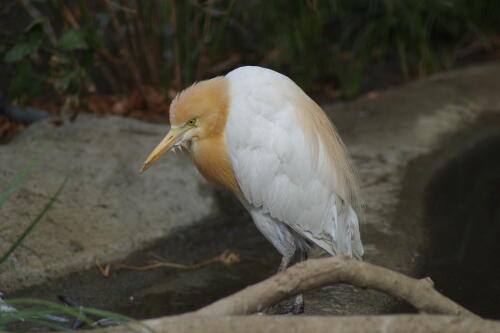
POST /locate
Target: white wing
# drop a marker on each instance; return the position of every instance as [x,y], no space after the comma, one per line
[292,176]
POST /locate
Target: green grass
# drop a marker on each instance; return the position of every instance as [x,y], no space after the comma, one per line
[39,312]
[6,194]
[33,223]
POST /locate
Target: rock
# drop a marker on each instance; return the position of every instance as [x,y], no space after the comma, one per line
[107,209]
[26,115]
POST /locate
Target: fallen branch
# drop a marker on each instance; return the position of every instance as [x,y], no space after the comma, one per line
[317,273]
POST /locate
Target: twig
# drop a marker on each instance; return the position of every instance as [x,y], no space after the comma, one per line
[104,270]
[317,273]
[227,257]
[68,15]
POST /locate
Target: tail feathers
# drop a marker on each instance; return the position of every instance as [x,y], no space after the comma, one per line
[339,236]
[346,234]
[356,245]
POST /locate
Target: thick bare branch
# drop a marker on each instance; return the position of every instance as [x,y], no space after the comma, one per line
[226,315]
[316,273]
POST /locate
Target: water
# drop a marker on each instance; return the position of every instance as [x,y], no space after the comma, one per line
[463,216]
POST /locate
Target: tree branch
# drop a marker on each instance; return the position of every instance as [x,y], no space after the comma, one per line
[317,273]
[225,315]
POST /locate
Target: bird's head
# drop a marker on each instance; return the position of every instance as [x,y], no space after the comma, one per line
[196,113]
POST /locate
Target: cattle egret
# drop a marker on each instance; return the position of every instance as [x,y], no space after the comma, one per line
[255,132]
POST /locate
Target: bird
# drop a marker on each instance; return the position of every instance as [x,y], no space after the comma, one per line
[255,132]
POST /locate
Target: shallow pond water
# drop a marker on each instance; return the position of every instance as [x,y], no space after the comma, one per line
[463,216]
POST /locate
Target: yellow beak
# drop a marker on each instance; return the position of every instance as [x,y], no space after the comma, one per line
[172,137]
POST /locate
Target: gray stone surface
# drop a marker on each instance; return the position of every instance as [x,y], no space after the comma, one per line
[106,210]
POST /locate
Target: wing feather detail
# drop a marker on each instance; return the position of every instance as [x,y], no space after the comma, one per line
[289,160]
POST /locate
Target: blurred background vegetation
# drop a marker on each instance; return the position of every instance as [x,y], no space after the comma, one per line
[139,54]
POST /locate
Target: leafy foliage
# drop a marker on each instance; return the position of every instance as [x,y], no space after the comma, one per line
[122,46]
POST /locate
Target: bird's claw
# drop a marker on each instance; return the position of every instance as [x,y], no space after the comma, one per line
[296,309]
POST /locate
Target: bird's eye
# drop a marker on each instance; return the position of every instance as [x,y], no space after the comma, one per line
[191,122]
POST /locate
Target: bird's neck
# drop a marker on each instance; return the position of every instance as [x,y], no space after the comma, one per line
[212,160]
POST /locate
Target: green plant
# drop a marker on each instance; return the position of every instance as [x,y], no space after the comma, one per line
[340,39]
[130,45]
[7,317]
[296,31]
[66,62]
[6,194]
[55,316]
[33,224]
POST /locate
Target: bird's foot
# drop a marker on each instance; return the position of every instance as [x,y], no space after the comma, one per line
[294,310]
[298,308]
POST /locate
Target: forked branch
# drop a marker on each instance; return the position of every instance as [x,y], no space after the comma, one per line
[317,273]
[225,314]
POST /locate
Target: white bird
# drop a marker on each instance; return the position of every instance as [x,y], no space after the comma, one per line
[255,132]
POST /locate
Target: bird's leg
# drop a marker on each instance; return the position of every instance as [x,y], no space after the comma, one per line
[298,304]
[285,261]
